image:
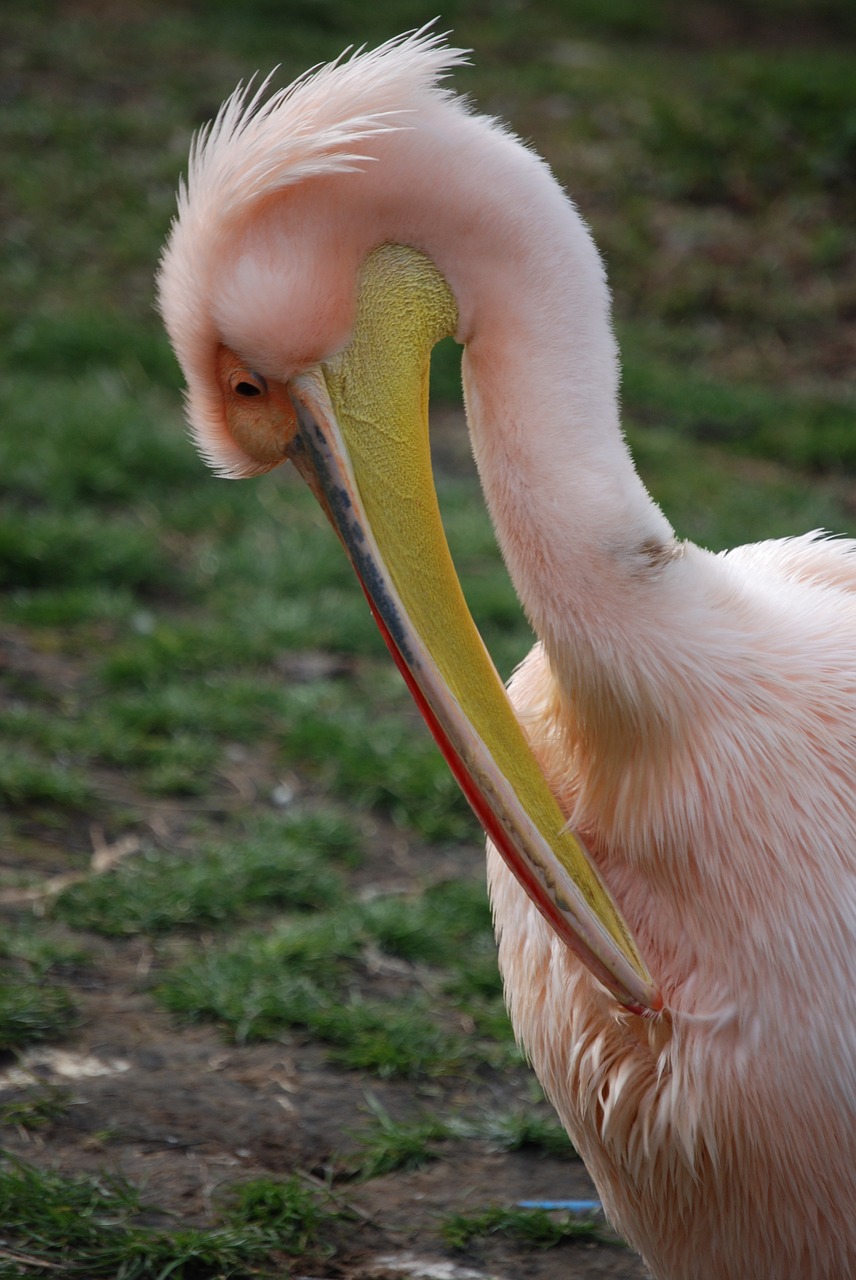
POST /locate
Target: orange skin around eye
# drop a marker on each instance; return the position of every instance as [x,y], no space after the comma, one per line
[259,414]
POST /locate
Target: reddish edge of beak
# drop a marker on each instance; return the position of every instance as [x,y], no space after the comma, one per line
[495,832]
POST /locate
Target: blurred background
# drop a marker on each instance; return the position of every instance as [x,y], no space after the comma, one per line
[223,830]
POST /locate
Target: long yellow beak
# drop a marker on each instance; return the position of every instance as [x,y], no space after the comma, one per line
[362,444]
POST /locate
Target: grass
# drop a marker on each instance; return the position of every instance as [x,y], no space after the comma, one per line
[375,761]
[36,1005]
[44,952]
[392,1146]
[315,974]
[31,1011]
[189,663]
[293,1214]
[808,433]
[529,1226]
[280,865]
[90,1226]
[27,782]
[37,1109]
[530,1130]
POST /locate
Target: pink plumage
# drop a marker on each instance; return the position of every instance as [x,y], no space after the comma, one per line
[695,714]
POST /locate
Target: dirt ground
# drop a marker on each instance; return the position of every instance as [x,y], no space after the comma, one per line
[183,1114]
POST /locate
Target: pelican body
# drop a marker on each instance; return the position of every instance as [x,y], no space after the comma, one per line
[671,810]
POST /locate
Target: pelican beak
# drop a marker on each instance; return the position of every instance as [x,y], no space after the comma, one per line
[362,444]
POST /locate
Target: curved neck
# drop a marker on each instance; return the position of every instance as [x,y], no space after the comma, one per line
[582,538]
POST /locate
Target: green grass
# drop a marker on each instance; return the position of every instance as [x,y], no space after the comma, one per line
[389,1145]
[803,130]
[290,1212]
[534,1227]
[32,1011]
[29,783]
[190,662]
[36,1004]
[310,974]
[44,951]
[90,1226]
[281,865]
[375,761]
[808,433]
[392,1146]
[36,1109]
[527,1129]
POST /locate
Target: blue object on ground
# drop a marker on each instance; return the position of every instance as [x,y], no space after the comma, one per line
[570,1206]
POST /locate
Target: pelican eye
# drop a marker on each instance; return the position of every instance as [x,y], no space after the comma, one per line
[248,384]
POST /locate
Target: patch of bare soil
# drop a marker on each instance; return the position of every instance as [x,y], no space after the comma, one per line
[184,1115]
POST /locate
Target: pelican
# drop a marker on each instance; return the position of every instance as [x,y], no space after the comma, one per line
[670,805]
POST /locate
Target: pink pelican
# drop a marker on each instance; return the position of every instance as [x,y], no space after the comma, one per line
[671,811]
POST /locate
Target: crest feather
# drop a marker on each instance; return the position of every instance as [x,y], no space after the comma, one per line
[258,145]
[255,147]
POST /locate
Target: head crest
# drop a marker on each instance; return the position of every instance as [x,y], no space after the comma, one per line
[313,126]
[259,145]
[256,147]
